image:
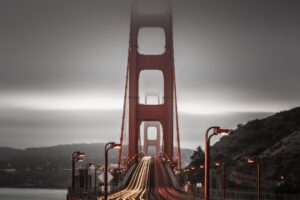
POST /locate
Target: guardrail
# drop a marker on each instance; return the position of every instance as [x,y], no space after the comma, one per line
[81,194]
[241,195]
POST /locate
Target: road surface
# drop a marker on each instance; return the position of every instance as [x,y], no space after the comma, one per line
[152,181]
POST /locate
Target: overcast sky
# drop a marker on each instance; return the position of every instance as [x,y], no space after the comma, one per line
[62,67]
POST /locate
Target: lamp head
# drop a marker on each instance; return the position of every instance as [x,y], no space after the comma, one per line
[81,155]
[116,146]
[79,159]
[100,167]
[218,163]
[251,160]
[77,154]
[222,131]
[90,164]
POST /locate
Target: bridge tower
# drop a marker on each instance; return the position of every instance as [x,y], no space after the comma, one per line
[151,142]
[151,124]
[138,62]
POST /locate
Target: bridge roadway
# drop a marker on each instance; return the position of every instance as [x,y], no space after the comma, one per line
[150,180]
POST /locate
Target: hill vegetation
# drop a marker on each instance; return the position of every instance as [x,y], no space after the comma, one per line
[275,141]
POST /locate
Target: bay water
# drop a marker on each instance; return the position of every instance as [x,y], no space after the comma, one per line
[32,194]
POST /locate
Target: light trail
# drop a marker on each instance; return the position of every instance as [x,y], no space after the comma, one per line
[163,183]
[150,180]
[138,185]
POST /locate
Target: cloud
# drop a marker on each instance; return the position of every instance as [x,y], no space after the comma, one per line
[30,128]
[63,66]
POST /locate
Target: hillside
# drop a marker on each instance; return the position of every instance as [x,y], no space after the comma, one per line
[50,167]
[275,141]
[63,151]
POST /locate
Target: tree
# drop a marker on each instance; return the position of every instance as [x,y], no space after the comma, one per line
[240,125]
[198,156]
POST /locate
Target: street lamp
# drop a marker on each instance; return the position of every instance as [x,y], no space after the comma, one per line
[222,164]
[87,166]
[108,146]
[76,156]
[216,131]
[252,161]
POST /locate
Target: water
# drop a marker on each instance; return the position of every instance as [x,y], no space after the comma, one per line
[32,194]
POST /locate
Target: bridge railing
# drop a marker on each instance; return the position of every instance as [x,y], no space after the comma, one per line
[126,175]
[82,194]
[198,193]
[264,196]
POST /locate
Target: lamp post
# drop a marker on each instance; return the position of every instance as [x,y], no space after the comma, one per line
[216,131]
[108,146]
[87,166]
[76,156]
[222,164]
[256,160]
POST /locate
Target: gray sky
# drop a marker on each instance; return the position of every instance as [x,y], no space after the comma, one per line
[62,66]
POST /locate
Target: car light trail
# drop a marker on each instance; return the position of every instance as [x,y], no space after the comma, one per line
[138,185]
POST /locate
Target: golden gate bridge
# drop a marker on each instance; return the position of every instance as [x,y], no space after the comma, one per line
[144,176]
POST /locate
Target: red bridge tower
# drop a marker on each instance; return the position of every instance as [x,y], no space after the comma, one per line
[162,113]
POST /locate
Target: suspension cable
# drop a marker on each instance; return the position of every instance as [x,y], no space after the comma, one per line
[177,123]
[123,116]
